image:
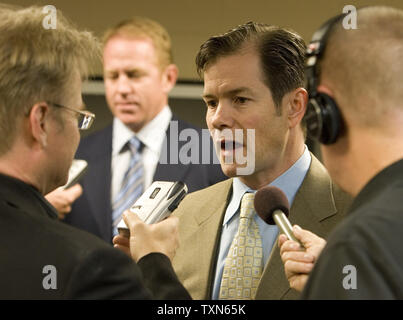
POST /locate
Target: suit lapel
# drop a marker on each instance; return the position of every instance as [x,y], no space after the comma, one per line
[313,203]
[98,184]
[165,170]
[99,196]
[210,223]
[201,239]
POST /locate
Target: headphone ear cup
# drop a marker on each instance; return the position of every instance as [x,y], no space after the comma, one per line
[323,120]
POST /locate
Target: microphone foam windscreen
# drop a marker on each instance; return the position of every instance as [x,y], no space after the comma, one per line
[269,199]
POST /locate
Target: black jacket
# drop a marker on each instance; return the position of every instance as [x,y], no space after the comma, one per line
[363,258]
[82,266]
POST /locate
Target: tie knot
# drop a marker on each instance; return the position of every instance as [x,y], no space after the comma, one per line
[247,208]
[134,144]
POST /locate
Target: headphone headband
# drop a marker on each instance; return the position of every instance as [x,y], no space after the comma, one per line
[315,51]
[322,116]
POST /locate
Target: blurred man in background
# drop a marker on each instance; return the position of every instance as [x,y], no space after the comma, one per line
[142,144]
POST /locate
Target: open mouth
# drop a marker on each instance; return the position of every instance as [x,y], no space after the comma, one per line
[229,145]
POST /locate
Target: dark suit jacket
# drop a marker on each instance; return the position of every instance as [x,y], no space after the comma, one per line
[85,267]
[93,212]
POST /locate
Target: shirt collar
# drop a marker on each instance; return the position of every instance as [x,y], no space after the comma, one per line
[289,182]
[152,135]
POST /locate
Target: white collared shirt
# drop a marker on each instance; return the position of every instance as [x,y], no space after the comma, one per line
[152,135]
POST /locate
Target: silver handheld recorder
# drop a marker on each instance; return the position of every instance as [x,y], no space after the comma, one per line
[156,203]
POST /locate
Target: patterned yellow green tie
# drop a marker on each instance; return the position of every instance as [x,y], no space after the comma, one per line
[244,264]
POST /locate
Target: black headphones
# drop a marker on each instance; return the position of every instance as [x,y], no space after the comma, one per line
[322,117]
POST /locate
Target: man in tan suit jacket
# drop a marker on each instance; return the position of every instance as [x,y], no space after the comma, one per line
[318,206]
[253,81]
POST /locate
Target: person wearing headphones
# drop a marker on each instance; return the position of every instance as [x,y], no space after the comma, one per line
[355,110]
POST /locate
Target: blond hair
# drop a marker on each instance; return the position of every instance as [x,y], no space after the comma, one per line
[141,27]
[36,64]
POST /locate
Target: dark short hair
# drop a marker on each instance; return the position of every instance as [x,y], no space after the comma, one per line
[282,54]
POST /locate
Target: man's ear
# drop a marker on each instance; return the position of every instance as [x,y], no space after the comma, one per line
[169,77]
[298,100]
[39,123]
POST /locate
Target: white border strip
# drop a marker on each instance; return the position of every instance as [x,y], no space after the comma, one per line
[181,91]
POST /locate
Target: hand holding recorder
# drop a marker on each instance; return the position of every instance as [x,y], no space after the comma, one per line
[63,197]
[156,203]
[142,230]
[162,237]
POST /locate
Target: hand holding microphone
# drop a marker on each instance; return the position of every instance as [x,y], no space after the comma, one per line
[271,204]
[298,262]
[298,254]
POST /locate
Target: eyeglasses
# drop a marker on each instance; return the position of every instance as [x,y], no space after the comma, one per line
[85,118]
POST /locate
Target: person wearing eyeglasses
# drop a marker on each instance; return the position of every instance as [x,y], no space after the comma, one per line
[41,74]
[62,198]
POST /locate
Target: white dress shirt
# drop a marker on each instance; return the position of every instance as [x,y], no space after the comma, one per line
[152,136]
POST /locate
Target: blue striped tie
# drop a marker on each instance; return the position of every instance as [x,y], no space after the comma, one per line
[132,184]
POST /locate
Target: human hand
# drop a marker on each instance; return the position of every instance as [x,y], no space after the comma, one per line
[147,238]
[122,243]
[298,261]
[62,199]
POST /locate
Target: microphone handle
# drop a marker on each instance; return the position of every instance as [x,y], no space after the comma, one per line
[284,224]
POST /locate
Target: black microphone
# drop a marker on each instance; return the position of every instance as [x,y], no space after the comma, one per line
[271,204]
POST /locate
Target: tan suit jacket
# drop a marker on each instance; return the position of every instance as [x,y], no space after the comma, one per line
[318,206]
